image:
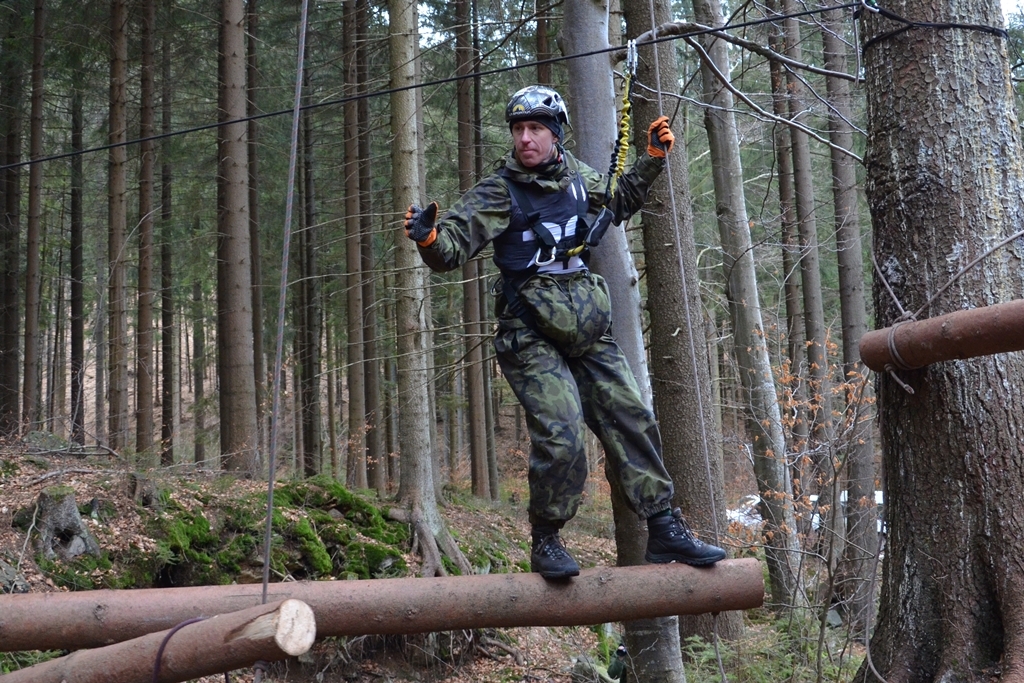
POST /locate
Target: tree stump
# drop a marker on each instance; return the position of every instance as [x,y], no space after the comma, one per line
[60,530]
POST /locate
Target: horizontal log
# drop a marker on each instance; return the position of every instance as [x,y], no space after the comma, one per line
[223,643]
[44,621]
[963,334]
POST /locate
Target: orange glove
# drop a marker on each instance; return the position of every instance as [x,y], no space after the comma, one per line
[660,138]
[419,224]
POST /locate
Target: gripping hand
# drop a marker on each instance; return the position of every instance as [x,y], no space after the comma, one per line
[660,138]
[419,224]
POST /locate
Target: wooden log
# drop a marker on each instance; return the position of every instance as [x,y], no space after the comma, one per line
[44,621]
[963,334]
[221,643]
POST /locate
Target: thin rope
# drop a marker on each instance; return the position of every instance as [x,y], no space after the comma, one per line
[283,298]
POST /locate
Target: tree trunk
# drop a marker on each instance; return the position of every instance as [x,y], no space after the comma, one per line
[31,404]
[77,262]
[473,329]
[170,390]
[145,366]
[239,443]
[856,573]
[416,492]
[679,357]
[356,473]
[259,356]
[945,172]
[810,270]
[10,366]
[763,418]
[117,287]
[198,376]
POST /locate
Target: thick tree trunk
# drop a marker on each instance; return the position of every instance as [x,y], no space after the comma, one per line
[239,434]
[41,621]
[945,173]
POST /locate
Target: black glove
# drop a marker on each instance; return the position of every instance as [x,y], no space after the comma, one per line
[419,223]
[660,138]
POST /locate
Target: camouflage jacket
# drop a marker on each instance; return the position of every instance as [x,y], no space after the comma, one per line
[484,212]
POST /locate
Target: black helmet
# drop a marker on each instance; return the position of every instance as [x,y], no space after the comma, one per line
[535,101]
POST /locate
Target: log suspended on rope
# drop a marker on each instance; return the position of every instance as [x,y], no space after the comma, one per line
[963,334]
[46,621]
[211,646]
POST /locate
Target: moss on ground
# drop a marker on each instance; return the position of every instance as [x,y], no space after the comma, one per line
[320,530]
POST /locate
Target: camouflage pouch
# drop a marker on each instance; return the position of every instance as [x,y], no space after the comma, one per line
[572,310]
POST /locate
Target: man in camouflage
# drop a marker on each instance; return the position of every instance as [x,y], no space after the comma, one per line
[540,209]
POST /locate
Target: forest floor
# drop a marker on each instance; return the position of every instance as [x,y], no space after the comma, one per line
[522,654]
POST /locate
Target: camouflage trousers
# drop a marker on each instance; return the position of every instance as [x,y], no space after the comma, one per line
[581,379]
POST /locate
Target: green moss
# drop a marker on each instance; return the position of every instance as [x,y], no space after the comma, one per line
[374,561]
[313,548]
[79,573]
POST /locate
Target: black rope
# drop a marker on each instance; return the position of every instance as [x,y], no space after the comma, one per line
[935,25]
[163,645]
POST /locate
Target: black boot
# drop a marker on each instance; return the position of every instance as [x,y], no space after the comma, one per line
[549,557]
[669,539]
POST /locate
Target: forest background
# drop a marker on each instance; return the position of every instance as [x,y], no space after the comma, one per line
[142,311]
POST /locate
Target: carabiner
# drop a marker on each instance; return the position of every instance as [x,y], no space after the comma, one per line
[551,259]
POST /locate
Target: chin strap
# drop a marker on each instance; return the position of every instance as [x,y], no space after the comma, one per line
[619,153]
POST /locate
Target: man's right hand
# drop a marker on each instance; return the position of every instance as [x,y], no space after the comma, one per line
[419,224]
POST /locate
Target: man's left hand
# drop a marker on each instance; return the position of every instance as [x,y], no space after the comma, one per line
[660,138]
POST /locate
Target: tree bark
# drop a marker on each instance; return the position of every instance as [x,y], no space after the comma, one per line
[259,357]
[216,645]
[945,170]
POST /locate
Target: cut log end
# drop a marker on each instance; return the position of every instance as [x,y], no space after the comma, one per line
[291,626]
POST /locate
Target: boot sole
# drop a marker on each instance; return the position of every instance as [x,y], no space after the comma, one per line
[693,562]
[559,575]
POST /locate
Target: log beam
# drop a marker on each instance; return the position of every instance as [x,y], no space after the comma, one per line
[223,643]
[45,621]
[963,334]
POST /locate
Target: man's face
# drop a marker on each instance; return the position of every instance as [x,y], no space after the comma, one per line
[534,143]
